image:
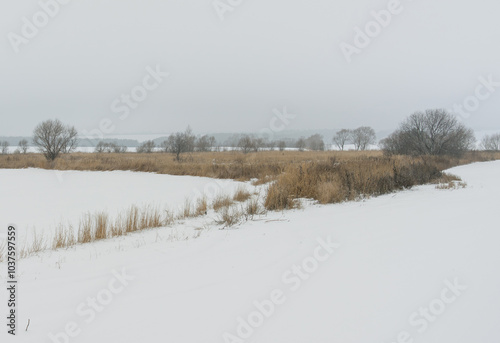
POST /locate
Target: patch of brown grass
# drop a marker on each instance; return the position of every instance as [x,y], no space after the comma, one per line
[234,165]
[446,178]
[201,207]
[253,208]
[242,194]
[222,201]
[229,216]
[64,237]
[335,180]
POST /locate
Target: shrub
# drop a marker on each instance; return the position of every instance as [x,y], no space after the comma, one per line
[332,182]
[433,132]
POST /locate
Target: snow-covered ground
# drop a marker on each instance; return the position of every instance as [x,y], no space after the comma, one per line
[415,266]
[39,200]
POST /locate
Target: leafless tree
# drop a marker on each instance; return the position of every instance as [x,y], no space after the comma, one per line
[119,149]
[491,143]
[72,141]
[4,148]
[433,132]
[342,138]
[315,142]
[301,144]
[147,147]
[103,147]
[259,143]
[180,142]
[246,144]
[281,145]
[54,138]
[362,137]
[23,146]
[205,143]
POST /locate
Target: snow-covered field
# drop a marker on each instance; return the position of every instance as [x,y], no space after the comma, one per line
[415,266]
[40,200]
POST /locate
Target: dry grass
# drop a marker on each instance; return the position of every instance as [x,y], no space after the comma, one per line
[221,202]
[63,237]
[201,207]
[187,210]
[446,178]
[85,229]
[449,181]
[98,226]
[336,180]
[451,185]
[221,165]
[263,165]
[101,227]
[253,208]
[229,216]
[36,246]
[242,194]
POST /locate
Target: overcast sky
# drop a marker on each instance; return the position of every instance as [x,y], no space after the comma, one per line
[229,75]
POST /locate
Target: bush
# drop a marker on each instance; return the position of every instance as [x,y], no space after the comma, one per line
[433,132]
[332,182]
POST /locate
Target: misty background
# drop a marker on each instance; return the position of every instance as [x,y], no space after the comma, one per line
[230,75]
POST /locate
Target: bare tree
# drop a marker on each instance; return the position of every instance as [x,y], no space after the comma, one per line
[246,144]
[23,146]
[259,143]
[205,143]
[119,149]
[301,144]
[315,142]
[362,137]
[180,142]
[146,147]
[54,138]
[342,138]
[4,148]
[281,145]
[71,143]
[433,132]
[491,143]
[102,147]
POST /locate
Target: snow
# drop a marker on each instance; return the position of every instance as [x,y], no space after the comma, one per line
[396,256]
[48,198]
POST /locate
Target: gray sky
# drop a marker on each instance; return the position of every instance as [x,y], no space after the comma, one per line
[229,75]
